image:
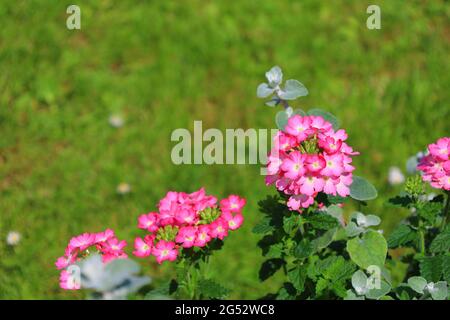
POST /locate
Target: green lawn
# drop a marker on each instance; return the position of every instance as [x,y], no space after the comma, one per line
[164,64]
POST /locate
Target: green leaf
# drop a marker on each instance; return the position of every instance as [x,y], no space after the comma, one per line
[281,119]
[303,249]
[376,294]
[291,223]
[362,190]
[352,229]
[321,221]
[403,201]
[369,250]
[359,282]
[275,251]
[403,235]
[324,240]
[335,211]
[210,289]
[299,112]
[417,284]
[352,296]
[274,76]
[326,115]
[441,243]
[263,90]
[162,292]
[263,227]
[439,291]
[297,276]
[431,268]
[269,267]
[287,292]
[446,268]
[293,89]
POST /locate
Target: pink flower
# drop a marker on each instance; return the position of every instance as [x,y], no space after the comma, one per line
[299,127]
[435,167]
[318,161]
[218,229]
[203,236]
[233,203]
[104,236]
[82,242]
[68,281]
[143,248]
[148,221]
[187,236]
[185,216]
[293,165]
[296,202]
[165,250]
[234,222]
[315,163]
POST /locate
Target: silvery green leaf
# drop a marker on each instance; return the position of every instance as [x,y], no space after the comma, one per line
[264,90]
[362,190]
[300,112]
[377,293]
[359,282]
[411,165]
[292,90]
[439,291]
[361,219]
[372,220]
[273,102]
[352,296]
[335,211]
[418,284]
[281,119]
[352,230]
[274,76]
[289,111]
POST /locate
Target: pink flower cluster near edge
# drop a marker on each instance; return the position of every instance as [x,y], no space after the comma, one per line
[310,157]
[106,243]
[435,166]
[187,220]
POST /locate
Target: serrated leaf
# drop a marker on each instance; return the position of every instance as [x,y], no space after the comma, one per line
[303,249]
[263,227]
[327,116]
[275,251]
[441,243]
[417,284]
[291,223]
[369,250]
[287,292]
[269,267]
[297,276]
[263,90]
[403,235]
[446,268]
[210,289]
[362,190]
[292,90]
[321,221]
[431,268]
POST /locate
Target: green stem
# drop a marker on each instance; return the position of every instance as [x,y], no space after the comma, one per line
[446,216]
[422,242]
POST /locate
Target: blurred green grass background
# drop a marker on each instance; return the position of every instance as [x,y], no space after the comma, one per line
[164,64]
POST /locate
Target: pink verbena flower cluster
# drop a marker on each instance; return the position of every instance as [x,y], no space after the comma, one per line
[435,166]
[105,243]
[310,157]
[187,220]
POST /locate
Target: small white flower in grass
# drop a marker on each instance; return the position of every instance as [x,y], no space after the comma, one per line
[123,188]
[13,238]
[395,176]
[116,121]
